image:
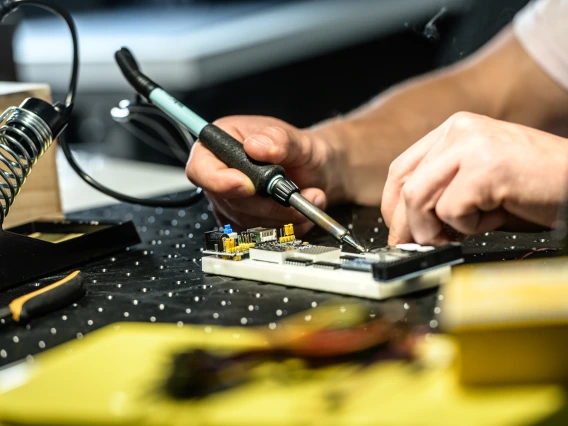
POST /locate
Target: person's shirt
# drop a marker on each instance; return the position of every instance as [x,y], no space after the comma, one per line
[542,29]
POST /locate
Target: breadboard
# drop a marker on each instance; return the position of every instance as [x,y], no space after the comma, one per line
[342,281]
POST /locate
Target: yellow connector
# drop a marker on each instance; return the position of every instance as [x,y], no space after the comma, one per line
[230,245]
[287,239]
[288,230]
[236,258]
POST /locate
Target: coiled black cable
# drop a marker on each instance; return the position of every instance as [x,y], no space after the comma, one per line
[8,6]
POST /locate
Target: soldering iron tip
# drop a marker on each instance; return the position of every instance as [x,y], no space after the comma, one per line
[351,241]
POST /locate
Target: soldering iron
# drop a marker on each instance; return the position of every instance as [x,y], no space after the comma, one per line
[30,129]
[268,179]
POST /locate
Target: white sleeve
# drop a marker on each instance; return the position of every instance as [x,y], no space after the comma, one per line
[542,29]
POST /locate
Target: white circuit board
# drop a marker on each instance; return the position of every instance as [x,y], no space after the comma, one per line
[260,255]
[341,281]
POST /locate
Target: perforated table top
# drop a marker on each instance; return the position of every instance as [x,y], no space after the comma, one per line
[160,280]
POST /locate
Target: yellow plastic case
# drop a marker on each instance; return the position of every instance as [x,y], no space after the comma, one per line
[510,320]
[113,376]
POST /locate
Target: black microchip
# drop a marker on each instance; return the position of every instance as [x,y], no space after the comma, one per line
[358,264]
[272,247]
[417,261]
[326,265]
[297,261]
[213,238]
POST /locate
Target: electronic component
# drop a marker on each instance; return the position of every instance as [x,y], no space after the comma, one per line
[319,253]
[415,262]
[288,230]
[298,261]
[348,257]
[359,264]
[326,265]
[263,235]
[276,256]
[262,241]
[287,234]
[390,263]
[384,272]
[315,277]
[273,253]
[227,230]
[214,240]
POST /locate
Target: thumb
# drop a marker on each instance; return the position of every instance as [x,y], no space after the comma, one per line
[287,146]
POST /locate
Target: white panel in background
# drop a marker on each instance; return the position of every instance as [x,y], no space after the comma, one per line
[133,178]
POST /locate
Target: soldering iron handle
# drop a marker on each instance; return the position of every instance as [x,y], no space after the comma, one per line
[225,147]
[232,153]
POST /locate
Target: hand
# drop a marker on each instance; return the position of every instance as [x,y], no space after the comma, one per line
[474,174]
[307,158]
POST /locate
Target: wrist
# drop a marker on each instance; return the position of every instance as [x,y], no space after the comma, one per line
[331,137]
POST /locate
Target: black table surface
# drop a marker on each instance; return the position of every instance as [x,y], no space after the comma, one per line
[160,280]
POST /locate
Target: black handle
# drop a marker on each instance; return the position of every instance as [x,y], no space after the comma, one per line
[47,299]
[131,71]
[231,152]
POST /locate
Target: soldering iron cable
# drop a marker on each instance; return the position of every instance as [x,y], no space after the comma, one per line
[7,7]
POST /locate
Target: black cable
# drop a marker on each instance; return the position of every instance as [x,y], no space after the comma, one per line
[6,7]
[184,202]
[66,16]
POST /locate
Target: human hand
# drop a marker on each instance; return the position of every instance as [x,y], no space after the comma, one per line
[474,174]
[307,158]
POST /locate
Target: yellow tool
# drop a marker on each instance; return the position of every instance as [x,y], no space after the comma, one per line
[47,299]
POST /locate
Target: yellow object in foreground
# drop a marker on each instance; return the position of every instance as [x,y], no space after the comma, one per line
[113,376]
[510,320]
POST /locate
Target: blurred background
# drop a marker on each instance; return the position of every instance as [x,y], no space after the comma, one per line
[302,61]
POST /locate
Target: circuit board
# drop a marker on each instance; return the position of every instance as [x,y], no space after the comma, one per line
[276,256]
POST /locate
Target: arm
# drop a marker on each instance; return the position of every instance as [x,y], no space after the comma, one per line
[347,159]
[499,81]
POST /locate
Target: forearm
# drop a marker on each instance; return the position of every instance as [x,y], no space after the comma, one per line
[499,81]
[370,138]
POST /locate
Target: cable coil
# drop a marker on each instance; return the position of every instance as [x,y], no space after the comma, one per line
[29,130]
[24,138]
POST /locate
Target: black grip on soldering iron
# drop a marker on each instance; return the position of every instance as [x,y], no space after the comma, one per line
[53,297]
[131,71]
[232,153]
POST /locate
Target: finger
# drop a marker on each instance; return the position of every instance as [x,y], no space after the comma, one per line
[228,126]
[303,228]
[421,194]
[288,147]
[240,126]
[208,172]
[204,169]
[402,168]
[469,206]
[399,232]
